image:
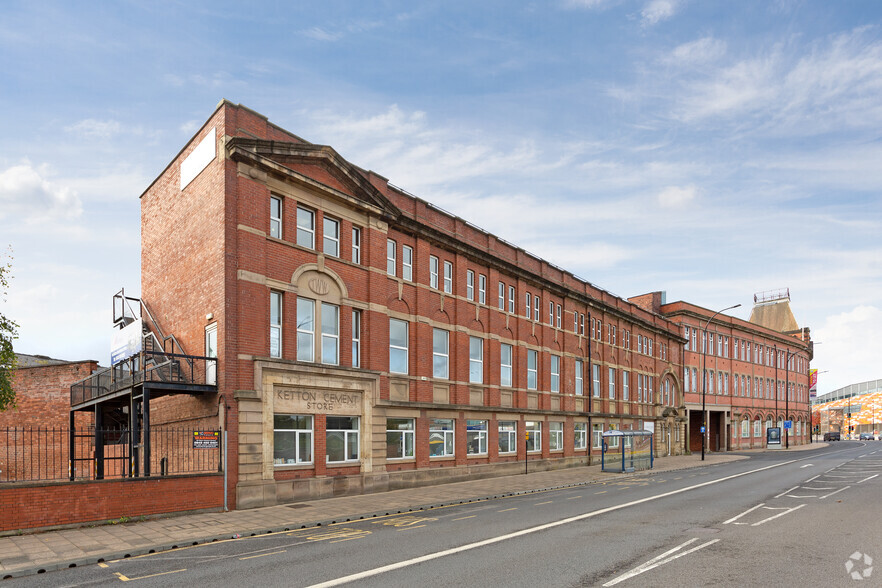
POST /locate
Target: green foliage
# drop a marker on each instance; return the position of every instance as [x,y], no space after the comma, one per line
[8,334]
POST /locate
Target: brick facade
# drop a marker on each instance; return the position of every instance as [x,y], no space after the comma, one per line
[747,374]
[212,255]
[42,392]
[46,505]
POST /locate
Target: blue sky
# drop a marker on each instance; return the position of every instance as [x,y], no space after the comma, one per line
[709,149]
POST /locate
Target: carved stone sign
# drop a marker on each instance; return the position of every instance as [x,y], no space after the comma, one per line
[311,402]
[319,286]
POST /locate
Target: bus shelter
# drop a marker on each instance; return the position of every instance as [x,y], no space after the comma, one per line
[626,451]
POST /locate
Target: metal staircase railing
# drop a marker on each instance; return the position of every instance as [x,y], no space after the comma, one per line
[161,359]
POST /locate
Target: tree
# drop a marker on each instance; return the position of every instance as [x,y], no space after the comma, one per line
[8,334]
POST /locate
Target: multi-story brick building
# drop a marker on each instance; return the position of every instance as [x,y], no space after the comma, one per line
[368,340]
[757,371]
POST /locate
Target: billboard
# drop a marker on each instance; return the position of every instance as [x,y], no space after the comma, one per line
[813,383]
[126,342]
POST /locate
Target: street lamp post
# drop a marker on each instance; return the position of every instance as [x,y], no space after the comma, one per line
[704,345]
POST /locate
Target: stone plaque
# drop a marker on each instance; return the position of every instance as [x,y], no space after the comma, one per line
[303,401]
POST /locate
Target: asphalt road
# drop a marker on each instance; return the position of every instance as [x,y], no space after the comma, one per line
[792,519]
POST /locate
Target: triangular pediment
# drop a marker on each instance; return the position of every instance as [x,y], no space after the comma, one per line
[318,164]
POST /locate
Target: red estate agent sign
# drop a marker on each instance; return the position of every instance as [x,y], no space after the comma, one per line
[206,439]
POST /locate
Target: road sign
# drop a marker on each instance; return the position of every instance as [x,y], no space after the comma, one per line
[788,424]
[702,429]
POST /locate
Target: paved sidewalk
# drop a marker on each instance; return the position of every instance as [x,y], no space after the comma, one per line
[22,555]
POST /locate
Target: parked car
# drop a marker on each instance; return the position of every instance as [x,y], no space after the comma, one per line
[868,437]
[832,436]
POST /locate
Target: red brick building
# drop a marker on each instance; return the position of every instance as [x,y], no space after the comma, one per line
[756,371]
[368,340]
[42,391]
[33,435]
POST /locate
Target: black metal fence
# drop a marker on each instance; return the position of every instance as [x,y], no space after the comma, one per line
[30,454]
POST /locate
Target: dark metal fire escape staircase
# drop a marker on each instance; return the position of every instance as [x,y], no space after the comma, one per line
[119,396]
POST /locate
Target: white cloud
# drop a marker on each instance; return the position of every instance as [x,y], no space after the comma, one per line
[849,363]
[794,88]
[656,11]
[359,26]
[677,197]
[191,126]
[92,128]
[700,51]
[26,194]
[403,147]
[590,4]
[320,34]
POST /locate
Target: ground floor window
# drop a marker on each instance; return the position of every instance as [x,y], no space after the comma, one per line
[555,436]
[745,428]
[508,437]
[613,441]
[580,436]
[341,439]
[441,438]
[534,436]
[399,438]
[292,439]
[476,437]
[597,436]
[757,428]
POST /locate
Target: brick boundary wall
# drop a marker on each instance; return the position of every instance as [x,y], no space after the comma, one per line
[45,505]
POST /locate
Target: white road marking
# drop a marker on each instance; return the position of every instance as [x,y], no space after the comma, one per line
[780,514]
[786,491]
[812,478]
[469,546]
[832,493]
[660,560]
[870,478]
[749,510]
[808,465]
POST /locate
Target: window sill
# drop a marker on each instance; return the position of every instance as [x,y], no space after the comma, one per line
[400,459]
[342,464]
[294,466]
[442,457]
